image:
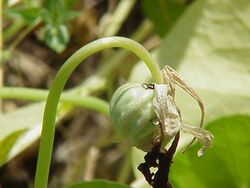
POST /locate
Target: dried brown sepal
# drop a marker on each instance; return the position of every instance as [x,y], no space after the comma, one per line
[171,76]
[161,159]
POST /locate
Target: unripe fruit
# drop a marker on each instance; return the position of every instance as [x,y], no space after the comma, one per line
[132,112]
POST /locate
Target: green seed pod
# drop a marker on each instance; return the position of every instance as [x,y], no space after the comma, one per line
[132,112]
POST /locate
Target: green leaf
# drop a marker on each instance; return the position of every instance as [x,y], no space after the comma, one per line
[57,37]
[68,15]
[51,4]
[20,119]
[226,164]
[163,13]
[46,16]
[69,3]
[58,12]
[28,14]
[97,184]
[209,46]
[52,18]
[23,124]
[7,143]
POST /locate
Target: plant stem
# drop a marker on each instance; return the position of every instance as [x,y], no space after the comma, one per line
[49,117]
[125,168]
[117,18]
[92,103]
[110,65]
[24,33]
[13,29]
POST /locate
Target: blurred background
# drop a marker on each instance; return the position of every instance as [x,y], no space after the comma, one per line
[206,41]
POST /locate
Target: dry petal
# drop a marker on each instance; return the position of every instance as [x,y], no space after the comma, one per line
[203,136]
[166,110]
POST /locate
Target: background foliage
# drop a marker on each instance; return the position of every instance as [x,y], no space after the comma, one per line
[206,41]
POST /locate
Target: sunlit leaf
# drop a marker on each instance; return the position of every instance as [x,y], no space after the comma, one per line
[7,143]
[97,184]
[23,124]
[20,119]
[226,164]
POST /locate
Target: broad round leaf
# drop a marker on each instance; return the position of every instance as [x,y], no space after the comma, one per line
[97,184]
[226,164]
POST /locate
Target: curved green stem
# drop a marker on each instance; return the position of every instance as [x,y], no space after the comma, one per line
[92,103]
[121,12]
[49,117]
